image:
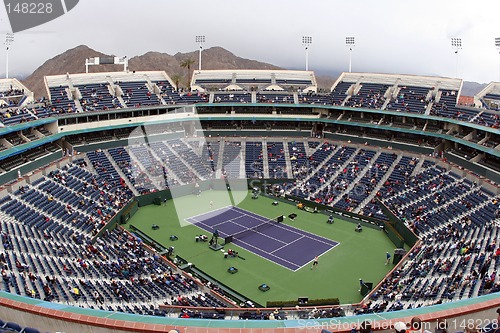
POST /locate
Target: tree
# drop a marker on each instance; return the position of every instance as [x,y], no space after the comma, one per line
[176,78]
[186,63]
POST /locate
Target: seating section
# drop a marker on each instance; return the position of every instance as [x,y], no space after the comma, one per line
[370,95]
[369,182]
[410,99]
[6,327]
[276,160]
[12,116]
[60,101]
[439,191]
[254,163]
[202,167]
[298,157]
[46,251]
[42,110]
[210,154]
[233,97]
[134,171]
[398,179]
[492,96]
[446,105]
[270,97]
[167,92]
[192,98]
[488,119]
[309,175]
[456,260]
[231,159]
[338,192]
[47,225]
[96,96]
[172,163]
[453,215]
[147,163]
[339,94]
[137,94]
[317,99]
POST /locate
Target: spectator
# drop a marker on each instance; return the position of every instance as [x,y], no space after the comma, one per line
[365,327]
[400,327]
[493,327]
[416,326]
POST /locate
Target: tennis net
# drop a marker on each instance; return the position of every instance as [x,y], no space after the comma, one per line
[257,228]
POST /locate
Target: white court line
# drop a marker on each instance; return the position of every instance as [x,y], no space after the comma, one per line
[250,245]
[212,211]
[245,228]
[297,231]
[307,263]
[287,244]
[258,232]
[217,224]
[208,227]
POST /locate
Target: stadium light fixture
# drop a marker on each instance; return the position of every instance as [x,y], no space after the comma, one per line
[9,39]
[306,42]
[497,44]
[349,42]
[456,43]
[200,40]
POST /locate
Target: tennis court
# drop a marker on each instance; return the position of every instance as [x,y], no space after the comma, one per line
[280,243]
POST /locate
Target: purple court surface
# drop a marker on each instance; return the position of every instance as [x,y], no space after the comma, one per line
[282,244]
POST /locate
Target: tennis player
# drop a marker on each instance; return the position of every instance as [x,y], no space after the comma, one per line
[315,262]
[388,258]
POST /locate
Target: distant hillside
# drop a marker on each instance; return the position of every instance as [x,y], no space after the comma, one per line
[472,88]
[325,82]
[73,61]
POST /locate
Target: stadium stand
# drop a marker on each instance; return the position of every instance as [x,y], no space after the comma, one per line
[400,93]
[254,162]
[489,97]
[253,80]
[104,91]
[73,203]
[14,94]
[15,103]
[48,224]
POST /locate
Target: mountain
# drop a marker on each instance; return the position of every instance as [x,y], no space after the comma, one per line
[73,61]
[472,88]
[325,82]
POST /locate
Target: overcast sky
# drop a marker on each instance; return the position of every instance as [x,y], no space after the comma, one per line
[392,36]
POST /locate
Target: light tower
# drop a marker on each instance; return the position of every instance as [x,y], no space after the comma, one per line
[306,41]
[349,42]
[9,39]
[497,44]
[200,40]
[456,43]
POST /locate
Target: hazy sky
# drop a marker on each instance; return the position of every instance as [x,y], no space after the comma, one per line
[392,36]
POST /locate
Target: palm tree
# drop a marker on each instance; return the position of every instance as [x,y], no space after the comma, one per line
[186,63]
[176,78]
